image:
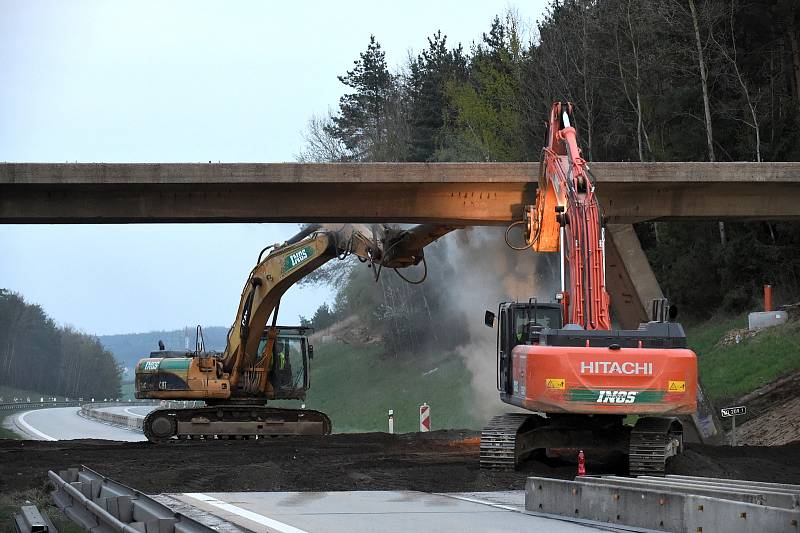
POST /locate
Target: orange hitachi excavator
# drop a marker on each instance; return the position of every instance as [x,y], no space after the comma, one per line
[563,360]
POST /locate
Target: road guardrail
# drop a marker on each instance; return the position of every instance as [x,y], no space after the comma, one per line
[97,503]
[96,411]
[13,406]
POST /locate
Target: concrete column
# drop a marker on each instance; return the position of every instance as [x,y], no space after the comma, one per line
[629,279]
[632,286]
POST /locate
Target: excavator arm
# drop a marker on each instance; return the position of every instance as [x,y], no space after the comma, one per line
[237,384]
[566,219]
[290,262]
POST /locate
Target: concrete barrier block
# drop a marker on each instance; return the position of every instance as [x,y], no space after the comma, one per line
[766,319]
[653,507]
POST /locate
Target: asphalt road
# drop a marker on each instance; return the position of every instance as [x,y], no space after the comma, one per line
[64,423]
[375,511]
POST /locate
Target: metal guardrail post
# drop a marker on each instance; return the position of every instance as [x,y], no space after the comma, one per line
[102,505]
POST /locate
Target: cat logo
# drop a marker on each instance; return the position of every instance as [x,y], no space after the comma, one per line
[552,383]
[677,386]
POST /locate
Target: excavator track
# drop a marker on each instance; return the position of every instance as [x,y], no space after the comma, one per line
[499,446]
[233,421]
[653,441]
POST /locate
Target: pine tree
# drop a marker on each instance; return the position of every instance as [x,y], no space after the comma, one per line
[430,73]
[362,123]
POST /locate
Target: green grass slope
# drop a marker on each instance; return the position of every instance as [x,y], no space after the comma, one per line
[729,372]
[356,387]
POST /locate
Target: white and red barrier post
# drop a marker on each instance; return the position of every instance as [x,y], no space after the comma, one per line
[424,417]
[391,420]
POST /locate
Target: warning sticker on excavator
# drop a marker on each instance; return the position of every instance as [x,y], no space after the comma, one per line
[677,386]
[553,383]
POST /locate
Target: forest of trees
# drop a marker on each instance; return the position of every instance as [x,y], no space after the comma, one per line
[38,356]
[651,80]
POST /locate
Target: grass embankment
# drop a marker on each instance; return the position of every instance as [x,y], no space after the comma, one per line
[127,391]
[356,386]
[731,371]
[10,504]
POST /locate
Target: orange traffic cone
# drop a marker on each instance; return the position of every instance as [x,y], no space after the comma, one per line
[581,464]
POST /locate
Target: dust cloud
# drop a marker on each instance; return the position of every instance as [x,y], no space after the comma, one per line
[487,272]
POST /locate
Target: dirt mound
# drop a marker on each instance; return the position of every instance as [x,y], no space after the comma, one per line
[351,330]
[440,461]
[773,413]
[777,464]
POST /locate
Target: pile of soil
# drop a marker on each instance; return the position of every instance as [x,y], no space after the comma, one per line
[352,330]
[773,413]
[440,461]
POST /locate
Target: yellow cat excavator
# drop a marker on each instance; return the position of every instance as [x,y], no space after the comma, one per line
[264,362]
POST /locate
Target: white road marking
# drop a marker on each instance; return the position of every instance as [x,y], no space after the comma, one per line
[477,500]
[244,513]
[128,410]
[30,428]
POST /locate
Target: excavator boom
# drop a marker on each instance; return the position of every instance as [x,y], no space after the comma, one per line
[256,365]
[563,359]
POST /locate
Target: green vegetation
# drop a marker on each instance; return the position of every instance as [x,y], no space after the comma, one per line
[9,393]
[632,71]
[10,503]
[127,389]
[356,387]
[734,370]
[35,354]
[6,433]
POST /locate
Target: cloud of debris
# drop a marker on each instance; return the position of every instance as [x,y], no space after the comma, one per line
[488,272]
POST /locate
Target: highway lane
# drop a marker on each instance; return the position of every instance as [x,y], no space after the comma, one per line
[64,423]
[376,511]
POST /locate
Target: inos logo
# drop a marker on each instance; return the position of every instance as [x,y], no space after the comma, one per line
[617,396]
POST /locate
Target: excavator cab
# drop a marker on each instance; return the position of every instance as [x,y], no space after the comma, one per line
[291,355]
[520,323]
[177,372]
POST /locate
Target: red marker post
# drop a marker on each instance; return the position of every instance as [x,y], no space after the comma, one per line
[424,417]
[581,464]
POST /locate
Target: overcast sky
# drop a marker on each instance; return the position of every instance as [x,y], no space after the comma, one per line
[192,81]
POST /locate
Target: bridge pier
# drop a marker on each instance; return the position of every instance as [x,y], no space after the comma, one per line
[632,285]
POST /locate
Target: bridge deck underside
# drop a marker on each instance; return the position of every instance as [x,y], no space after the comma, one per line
[447,203]
[447,193]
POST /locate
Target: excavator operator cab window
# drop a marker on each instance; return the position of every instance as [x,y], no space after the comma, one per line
[530,319]
[289,363]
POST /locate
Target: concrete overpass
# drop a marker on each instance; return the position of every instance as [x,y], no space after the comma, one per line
[447,193]
[465,193]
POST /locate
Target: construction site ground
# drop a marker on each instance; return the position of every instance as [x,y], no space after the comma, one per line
[773,413]
[440,461]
